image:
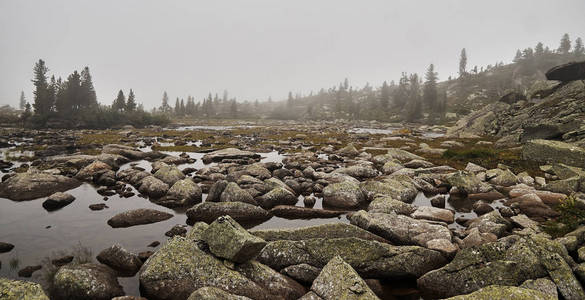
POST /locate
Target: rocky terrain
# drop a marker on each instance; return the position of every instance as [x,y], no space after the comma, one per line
[319,210]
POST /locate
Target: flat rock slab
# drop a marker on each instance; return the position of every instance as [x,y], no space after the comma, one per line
[329,231]
[554,151]
[28,186]
[296,212]
[567,72]
[138,217]
[241,212]
[229,153]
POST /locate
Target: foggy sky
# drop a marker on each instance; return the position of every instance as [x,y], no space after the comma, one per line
[261,48]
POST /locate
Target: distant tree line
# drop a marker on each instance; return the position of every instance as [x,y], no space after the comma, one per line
[73,103]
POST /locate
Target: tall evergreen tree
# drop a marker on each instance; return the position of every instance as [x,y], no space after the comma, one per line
[41,96]
[131,102]
[414,106]
[290,99]
[430,95]
[385,96]
[578,49]
[165,107]
[234,109]
[119,103]
[22,101]
[88,97]
[539,49]
[565,46]
[463,62]
[518,56]
[177,107]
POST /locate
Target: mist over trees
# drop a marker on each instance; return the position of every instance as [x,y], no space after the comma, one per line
[72,103]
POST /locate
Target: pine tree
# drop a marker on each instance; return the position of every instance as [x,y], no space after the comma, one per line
[539,49]
[41,97]
[177,107]
[290,99]
[565,45]
[26,114]
[88,97]
[430,89]
[401,93]
[578,49]
[119,104]
[165,107]
[22,101]
[385,96]
[131,102]
[463,63]
[414,106]
[182,107]
[234,109]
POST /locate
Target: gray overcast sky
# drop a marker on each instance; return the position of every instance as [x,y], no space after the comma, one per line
[261,48]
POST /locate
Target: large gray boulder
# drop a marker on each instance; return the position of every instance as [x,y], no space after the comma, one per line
[398,187]
[345,194]
[186,192]
[468,183]
[138,217]
[86,281]
[169,174]
[369,258]
[273,281]
[277,196]
[28,186]
[17,289]
[239,211]
[58,200]
[153,187]
[233,193]
[180,267]
[119,259]
[399,229]
[338,280]
[227,239]
[554,152]
[510,261]
[567,72]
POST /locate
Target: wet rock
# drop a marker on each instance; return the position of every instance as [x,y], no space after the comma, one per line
[258,171]
[488,197]
[93,170]
[333,230]
[28,186]
[532,206]
[296,212]
[491,222]
[345,194]
[129,152]
[176,230]
[233,193]
[144,255]
[434,214]
[5,247]
[138,217]
[400,188]
[213,293]
[501,177]
[482,208]
[359,171]
[153,187]
[17,289]
[554,151]
[444,246]
[468,183]
[400,229]
[309,201]
[274,282]
[58,200]
[154,244]
[567,72]
[229,153]
[475,237]
[86,281]
[169,174]
[58,262]
[338,280]
[28,271]
[227,239]
[369,258]
[186,192]
[119,259]
[387,204]
[216,190]
[180,267]
[276,197]
[438,201]
[98,206]
[303,273]
[239,211]
[504,292]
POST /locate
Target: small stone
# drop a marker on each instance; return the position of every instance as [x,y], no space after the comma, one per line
[28,271]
